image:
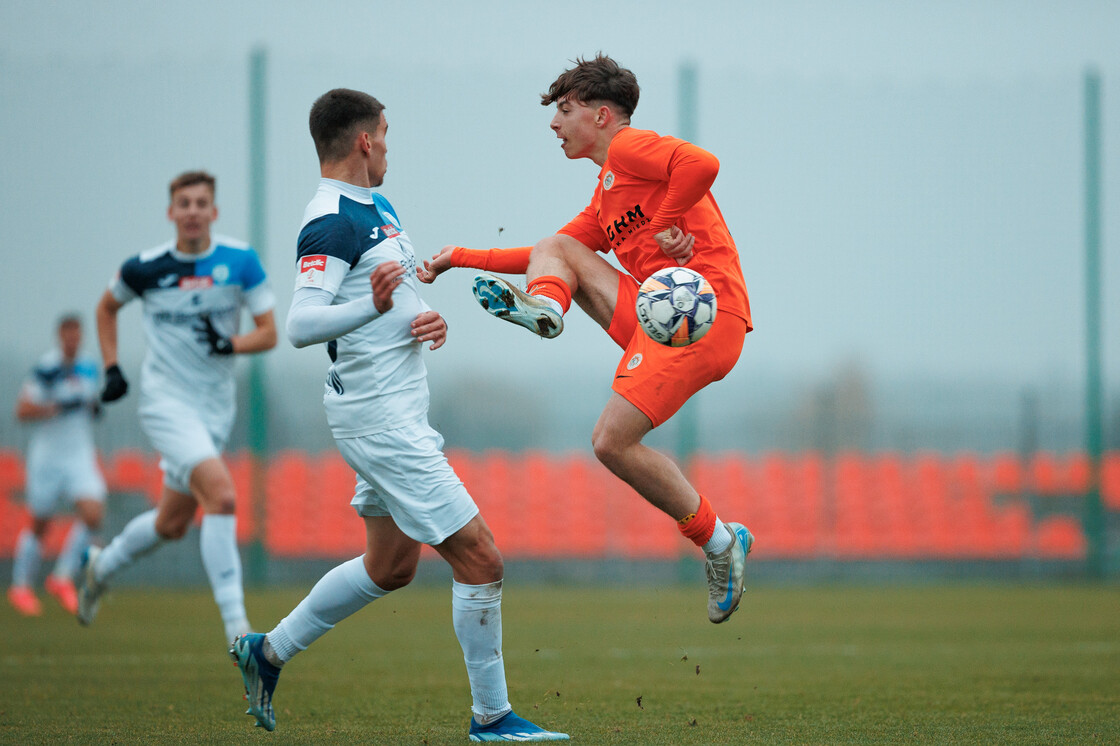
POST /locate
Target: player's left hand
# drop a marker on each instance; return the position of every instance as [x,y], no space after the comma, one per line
[429,326]
[676,244]
[207,334]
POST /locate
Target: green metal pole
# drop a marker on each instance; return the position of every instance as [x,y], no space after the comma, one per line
[257,565]
[1094,431]
[687,124]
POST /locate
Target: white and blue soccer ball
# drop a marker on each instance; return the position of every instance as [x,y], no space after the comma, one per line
[676,306]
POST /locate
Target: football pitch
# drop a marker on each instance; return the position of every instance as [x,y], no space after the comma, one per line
[835,664]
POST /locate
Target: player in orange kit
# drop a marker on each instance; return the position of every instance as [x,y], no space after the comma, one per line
[653,208]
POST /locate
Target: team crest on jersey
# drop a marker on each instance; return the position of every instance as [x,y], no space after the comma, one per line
[608,180]
[312,271]
[195,283]
[220,273]
[634,362]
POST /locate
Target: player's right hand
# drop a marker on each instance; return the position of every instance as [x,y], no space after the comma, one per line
[383,280]
[115,385]
[439,264]
[676,244]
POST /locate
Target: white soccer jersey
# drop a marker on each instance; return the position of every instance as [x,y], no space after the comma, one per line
[377,380]
[176,289]
[67,437]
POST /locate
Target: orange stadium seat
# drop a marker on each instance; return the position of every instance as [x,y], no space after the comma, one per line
[1007,474]
[1060,537]
[1044,476]
[1110,481]
[286,487]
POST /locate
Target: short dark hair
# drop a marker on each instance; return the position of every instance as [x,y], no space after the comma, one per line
[335,119]
[190,178]
[600,79]
[69,319]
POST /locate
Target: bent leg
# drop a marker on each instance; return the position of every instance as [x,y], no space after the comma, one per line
[389,563]
[617,442]
[592,281]
[145,533]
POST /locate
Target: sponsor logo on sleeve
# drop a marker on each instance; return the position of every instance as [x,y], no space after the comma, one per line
[312,271]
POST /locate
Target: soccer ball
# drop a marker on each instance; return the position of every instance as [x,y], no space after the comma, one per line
[676,306]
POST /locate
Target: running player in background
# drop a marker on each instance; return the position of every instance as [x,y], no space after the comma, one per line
[356,290]
[192,290]
[652,207]
[59,401]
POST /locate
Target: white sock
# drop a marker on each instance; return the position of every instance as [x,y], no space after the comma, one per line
[552,302]
[476,612]
[70,558]
[136,539]
[338,594]
[218,542]
[721,539]
[25,569]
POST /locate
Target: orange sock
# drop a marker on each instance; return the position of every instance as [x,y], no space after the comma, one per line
[552,287]
[698,527]
[507,261]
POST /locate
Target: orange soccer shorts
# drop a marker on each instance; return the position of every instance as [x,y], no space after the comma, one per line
[658,379]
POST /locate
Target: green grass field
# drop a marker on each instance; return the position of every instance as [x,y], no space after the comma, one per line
[837,664]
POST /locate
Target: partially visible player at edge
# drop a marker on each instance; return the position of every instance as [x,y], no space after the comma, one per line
[59,401]
[357,291]
[652,207]
[193,291]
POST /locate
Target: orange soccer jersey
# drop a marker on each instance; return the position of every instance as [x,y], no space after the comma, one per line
[647,184]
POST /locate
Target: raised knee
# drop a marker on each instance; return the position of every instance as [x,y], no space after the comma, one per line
[605,448]
[549,246]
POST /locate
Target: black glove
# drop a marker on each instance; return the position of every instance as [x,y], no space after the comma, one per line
[115,385]
[207,334]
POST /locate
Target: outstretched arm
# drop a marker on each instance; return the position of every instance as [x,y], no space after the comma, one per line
[506,261]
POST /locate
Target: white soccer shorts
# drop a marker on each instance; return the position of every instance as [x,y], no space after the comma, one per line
[182,437]
[403,473]
[56,484]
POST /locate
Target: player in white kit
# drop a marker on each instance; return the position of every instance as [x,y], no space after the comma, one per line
[59,402]
[193,291]
[357,291]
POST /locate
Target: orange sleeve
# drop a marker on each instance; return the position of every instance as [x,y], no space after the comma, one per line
[506,261]
[585,228]
[689,170]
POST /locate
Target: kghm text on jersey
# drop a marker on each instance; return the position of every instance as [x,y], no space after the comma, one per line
[626,224]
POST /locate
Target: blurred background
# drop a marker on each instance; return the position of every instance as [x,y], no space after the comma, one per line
[923,196]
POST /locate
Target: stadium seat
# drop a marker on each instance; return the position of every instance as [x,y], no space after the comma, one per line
[1060,537]
[1110,481]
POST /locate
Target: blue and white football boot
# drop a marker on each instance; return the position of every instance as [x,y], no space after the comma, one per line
[726,574]
[510,727]
[259,676]
[499,298]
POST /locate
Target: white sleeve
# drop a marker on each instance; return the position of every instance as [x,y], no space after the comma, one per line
[312,319]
